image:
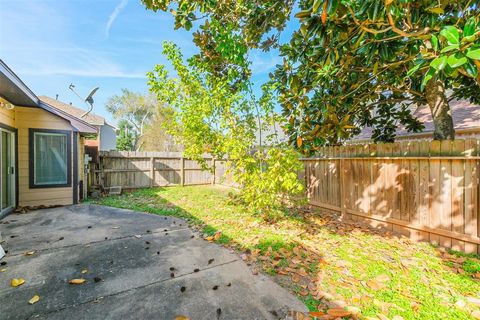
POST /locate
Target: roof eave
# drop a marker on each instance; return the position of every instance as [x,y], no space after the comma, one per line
[79,125]
[19,84]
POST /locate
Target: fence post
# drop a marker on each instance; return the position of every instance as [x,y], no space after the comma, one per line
[101,174]
[182,171]
[343,206]
[152,171]
[213,170]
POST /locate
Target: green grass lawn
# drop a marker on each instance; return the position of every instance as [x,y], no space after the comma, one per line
[325,262]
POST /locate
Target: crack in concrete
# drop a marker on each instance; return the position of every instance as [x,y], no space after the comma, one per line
[131,289]
[16,254]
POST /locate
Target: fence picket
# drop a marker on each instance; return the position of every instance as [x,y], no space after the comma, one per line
[421,189]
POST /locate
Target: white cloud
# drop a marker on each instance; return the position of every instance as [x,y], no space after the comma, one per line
[73,61]
[114,15]
[83,73]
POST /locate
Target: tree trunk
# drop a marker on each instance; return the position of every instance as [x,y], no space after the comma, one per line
[441,113]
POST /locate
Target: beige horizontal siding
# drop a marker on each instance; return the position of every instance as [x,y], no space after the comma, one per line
[47,202]
[7,117]
[40,194]
[26,118]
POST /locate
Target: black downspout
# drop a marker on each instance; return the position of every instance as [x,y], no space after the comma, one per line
[75,168]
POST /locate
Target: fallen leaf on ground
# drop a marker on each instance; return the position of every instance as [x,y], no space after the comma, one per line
[297,315]
[3,270]
[296,278]
[302,272]
[17,282]
[475,314]
[182,318]
[382,278]
[29,253]
[209,238]
[375,285]
[316,313]
[84,271]
[34,299]
[255,252]
[296,250]
[217,235]
[415,306]
[339,312]
[353,310]
[77,281]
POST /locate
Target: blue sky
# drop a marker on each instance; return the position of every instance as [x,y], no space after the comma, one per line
[105,43]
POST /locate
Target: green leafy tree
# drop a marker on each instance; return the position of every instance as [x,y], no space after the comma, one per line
[350,63]
[135,108]
[125,137]
[210,117]
[156,136]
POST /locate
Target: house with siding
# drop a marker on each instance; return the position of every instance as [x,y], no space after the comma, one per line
[466,122]
[42,149]
[105,140]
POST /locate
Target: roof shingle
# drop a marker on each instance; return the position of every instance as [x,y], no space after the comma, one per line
[465,116]
[90,118]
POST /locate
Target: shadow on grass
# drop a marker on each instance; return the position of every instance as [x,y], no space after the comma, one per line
[293,262]
[272,253]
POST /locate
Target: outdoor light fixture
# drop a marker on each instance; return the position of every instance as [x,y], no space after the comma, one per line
[6,105]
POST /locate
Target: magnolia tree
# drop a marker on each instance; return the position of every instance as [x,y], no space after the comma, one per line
[219,116]
[350,63]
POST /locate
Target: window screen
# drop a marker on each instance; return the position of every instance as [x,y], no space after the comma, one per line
[50,158]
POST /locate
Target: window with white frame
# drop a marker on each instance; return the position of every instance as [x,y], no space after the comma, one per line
[50,152]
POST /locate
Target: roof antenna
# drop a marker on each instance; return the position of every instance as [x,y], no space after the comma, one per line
[88,100]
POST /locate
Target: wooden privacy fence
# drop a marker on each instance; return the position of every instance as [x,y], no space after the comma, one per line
[132,170]
[427,190]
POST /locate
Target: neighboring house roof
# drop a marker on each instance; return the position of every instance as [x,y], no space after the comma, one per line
[15,91]
[466,118]
[91,118]
[78,124]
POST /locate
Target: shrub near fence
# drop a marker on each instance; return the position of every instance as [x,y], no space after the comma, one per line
[426,190]
[132,170]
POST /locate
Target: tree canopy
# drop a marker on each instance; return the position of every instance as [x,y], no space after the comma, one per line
[143,117]
[210,117]
[125,137]
[350,63]
[135,108]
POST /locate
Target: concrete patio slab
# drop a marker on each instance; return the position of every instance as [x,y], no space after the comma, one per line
[139,266]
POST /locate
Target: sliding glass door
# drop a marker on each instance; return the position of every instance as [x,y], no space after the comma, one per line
[7,170]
